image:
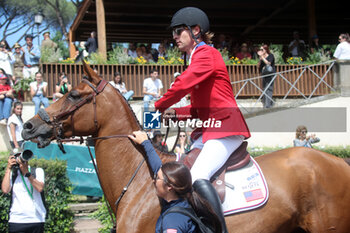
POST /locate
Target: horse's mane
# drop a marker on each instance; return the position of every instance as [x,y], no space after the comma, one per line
[128,105]
[162,155]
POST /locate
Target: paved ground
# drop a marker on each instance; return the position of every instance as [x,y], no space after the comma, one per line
[86,225]
[83,223]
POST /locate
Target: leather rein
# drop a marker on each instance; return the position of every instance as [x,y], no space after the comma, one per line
[58,132]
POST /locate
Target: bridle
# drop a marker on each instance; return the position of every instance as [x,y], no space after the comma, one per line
[58,132]
[58,126]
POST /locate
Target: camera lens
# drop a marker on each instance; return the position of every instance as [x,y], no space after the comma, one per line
[26,155]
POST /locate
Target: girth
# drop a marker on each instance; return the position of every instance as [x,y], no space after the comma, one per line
[238,159]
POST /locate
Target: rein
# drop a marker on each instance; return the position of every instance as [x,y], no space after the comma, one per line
[177,137]
[57,129]
[178,127]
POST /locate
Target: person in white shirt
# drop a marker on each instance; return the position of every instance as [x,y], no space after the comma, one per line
[6,58]
[27,210]
[132,50]
[343,49]
[38,91]
[297,46]
[152,88]
[118,84]
[15,126]
[185,100]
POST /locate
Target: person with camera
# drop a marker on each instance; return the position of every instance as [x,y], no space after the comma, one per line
[267,66]
[302,139]
[6,58]
[62,86]
[27,209]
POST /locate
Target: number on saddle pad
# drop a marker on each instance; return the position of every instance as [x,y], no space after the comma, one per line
[189,212]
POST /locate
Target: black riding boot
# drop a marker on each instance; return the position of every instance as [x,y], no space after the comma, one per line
[208,192]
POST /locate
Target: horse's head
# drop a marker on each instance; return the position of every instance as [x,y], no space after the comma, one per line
[72,115]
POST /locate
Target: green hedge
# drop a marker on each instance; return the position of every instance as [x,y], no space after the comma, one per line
[102,214]
[57,194]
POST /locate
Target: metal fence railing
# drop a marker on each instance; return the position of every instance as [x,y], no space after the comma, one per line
[244,86]
[304,82]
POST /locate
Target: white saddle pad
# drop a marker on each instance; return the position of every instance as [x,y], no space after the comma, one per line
[246,189]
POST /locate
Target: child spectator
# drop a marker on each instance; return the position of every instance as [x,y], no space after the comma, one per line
[15,126]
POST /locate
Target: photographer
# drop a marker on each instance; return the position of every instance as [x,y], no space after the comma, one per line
[27,211]
[62,86]
[6,58]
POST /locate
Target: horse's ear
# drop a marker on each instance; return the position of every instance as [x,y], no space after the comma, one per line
[90,73]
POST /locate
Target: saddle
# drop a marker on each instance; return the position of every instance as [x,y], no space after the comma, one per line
[238,159]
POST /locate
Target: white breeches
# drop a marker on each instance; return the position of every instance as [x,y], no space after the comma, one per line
[214,154]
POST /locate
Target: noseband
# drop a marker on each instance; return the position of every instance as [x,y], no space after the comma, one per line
[58,132]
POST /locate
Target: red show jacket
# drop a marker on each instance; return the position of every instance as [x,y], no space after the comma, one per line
[206,78]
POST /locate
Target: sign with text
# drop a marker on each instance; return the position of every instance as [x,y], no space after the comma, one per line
[80,169]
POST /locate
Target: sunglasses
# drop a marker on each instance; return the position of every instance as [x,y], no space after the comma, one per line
[156,177]
[178,31]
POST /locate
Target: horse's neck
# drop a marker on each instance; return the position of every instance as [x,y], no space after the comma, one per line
[121,118]
[118,158]
[124,122]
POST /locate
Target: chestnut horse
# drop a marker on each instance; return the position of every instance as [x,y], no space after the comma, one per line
[309,189]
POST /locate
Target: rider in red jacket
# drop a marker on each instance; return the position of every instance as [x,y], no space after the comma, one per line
[212,100]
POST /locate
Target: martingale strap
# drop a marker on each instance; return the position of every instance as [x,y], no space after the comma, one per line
[70,112]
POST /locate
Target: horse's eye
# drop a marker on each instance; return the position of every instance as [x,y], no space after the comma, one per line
[74,95]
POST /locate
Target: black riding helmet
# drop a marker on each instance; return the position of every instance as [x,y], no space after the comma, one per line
[191,16]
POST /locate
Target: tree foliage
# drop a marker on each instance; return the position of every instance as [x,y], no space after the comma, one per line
[18,15]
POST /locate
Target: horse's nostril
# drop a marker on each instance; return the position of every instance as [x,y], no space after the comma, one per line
[27,125]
